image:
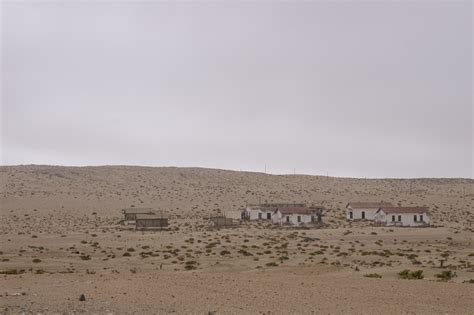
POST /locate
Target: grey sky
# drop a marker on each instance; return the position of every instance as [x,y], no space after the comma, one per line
[367,89]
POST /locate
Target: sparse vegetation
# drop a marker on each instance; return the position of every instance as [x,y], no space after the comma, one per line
[407,274]
[373,275]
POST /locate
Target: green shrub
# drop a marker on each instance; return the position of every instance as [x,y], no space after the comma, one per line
[407,274]
[446,275]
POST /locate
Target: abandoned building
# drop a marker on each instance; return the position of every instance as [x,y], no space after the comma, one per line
[129,214]
[403,216]
[222,222]
[284,213]
[151,221]
[265,211]
[293,216]
[364,210]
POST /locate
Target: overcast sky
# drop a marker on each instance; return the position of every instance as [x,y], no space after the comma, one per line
[367,89]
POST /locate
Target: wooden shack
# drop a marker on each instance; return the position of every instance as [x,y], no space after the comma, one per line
[222,222]
[151,222]
[131,213]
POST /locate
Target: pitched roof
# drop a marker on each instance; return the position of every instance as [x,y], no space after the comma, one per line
[274,206]
[369,205]
[295,210]
[390,210]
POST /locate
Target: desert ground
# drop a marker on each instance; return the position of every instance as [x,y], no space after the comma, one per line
[60,239]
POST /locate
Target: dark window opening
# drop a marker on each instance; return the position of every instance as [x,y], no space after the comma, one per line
[269,216]
[363,214]
[399,218]
[299,218]
[350,215]
[393,218]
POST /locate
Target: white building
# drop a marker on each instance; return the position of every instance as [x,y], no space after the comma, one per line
[364,210]
[293,216]
[403,216]
[264,211]
[258,212]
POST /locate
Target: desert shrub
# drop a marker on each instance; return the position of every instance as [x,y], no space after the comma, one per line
[271,264]
[372,275]
[126,254]
[36,260]
[12,272]
[446,275]
[244,252]
[468,281]
[224,252]
[190,265]
[407,274]
[85,257]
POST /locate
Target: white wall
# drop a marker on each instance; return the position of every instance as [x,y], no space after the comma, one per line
[253,213]
[278,218]
[407,219]
[357,213]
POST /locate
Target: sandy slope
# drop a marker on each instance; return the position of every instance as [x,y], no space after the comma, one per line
[66,218]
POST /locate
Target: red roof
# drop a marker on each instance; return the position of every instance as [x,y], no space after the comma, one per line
[369,205]
[295,210]
[404,210]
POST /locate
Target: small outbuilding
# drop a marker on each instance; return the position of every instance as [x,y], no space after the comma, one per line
[364,210]
[222,222]
[131,213]
[151,222]
[403,216]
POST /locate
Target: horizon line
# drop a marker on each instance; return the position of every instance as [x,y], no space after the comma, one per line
[233,170]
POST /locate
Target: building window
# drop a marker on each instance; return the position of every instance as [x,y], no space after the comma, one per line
[350,215]
[399,218]
[421,218]
[363,214]
[299,218]
[287,219]
[260,216]
[393,218]
[414,217]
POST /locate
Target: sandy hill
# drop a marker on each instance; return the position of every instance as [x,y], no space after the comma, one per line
[200,192]
[59,238]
